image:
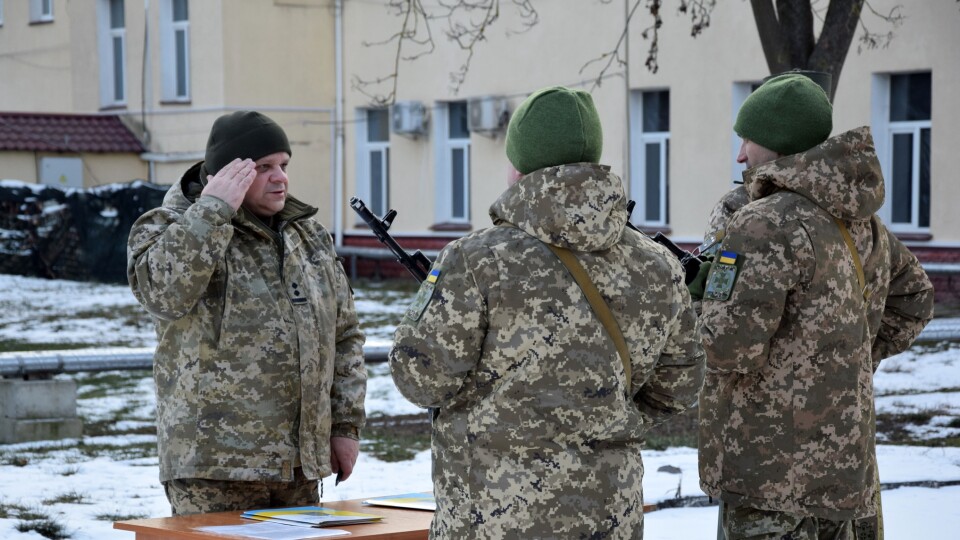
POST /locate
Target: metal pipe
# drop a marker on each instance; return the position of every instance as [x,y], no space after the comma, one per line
[45,363]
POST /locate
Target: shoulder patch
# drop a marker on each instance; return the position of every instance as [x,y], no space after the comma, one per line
[424,296]
[723,276]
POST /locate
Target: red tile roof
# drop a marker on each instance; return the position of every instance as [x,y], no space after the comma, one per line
[44,132]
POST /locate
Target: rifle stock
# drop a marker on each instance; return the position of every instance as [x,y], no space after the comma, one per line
[417,264]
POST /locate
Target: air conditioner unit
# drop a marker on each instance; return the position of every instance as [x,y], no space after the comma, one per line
[487,115]
[408,118]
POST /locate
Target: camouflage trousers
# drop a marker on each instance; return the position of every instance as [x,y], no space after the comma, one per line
[868,528]
[199,495]
[747,523]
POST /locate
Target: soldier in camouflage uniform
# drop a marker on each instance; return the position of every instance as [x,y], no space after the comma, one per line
[808,293]
[538,425]
[259,367]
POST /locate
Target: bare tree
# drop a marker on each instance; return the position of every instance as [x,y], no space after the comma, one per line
[786,30]
[466,23]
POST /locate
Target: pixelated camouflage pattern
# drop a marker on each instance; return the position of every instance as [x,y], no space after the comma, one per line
[733,200]
[260,355]
[201,496]
[786,415]
[745,523]
[537,434]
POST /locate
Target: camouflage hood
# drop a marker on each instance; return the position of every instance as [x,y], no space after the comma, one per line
[581,206]
[841,175]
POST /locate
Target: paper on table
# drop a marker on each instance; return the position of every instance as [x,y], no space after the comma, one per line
[273,531]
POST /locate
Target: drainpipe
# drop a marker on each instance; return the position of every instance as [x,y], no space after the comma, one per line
[338,188]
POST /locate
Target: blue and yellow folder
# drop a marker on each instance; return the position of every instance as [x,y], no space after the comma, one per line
[311,516]
[413,501]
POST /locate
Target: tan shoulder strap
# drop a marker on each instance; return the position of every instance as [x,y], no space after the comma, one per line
[600,307]
[861,279]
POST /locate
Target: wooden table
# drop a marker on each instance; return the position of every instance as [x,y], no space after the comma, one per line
[397,524]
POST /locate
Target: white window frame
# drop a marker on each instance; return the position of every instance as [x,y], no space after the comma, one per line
[638,162]
[741,90]
[41,11]
[169,31]
[109,70]
[883,133]
[445,147]
[365,148]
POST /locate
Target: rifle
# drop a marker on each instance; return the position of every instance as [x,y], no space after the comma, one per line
[689,261]
[418,264]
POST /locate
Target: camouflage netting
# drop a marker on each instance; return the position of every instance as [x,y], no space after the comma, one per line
[76,234]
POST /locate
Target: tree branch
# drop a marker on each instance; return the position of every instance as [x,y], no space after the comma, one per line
[771,36]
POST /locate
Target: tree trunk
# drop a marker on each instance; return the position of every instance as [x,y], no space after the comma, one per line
[785,28]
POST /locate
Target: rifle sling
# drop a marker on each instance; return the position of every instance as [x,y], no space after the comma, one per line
[600,307]
[861,279]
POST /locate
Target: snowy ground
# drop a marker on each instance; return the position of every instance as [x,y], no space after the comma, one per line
[86,487]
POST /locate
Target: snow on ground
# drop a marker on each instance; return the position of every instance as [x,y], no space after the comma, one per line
[43,311]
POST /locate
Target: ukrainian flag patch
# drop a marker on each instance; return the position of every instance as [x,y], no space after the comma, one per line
[727,257]
[424,296]
[723,276]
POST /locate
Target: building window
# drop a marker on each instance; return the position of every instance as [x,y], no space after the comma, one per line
[175,50]
[650,157]
[113,53]
[741,90]
[902,127]
[453,163]
[41,11]
[373,159]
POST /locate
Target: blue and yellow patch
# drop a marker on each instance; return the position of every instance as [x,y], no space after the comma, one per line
[723,276]
[727,257]
[424,296]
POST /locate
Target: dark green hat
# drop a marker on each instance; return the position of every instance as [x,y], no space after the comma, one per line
[244,135]
[788,114]
[554,126]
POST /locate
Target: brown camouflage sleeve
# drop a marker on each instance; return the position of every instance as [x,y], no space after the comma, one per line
[432,356]
[350,372]
[773,258]
[676,380]
[909,304]
[171,257]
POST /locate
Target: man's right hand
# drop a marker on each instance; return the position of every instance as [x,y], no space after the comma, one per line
[231,183]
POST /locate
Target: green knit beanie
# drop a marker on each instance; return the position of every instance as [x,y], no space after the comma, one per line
[243,134]
[788,114]
[554,126]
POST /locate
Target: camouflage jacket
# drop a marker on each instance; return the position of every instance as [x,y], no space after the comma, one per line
[537,433]
[260,355]
[786,415]
[733,200]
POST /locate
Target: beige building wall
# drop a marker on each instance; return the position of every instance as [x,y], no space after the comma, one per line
[700,73]
[18,166]
[273,56]
[35,60]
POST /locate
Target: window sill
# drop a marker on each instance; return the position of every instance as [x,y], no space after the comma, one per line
[41,21]
[117,107]
[451,226]
[175,102]
[913,236]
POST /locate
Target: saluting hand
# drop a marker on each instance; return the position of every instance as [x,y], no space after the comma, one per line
[231,183]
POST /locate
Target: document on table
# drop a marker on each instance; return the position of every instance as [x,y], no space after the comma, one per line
[274,531]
